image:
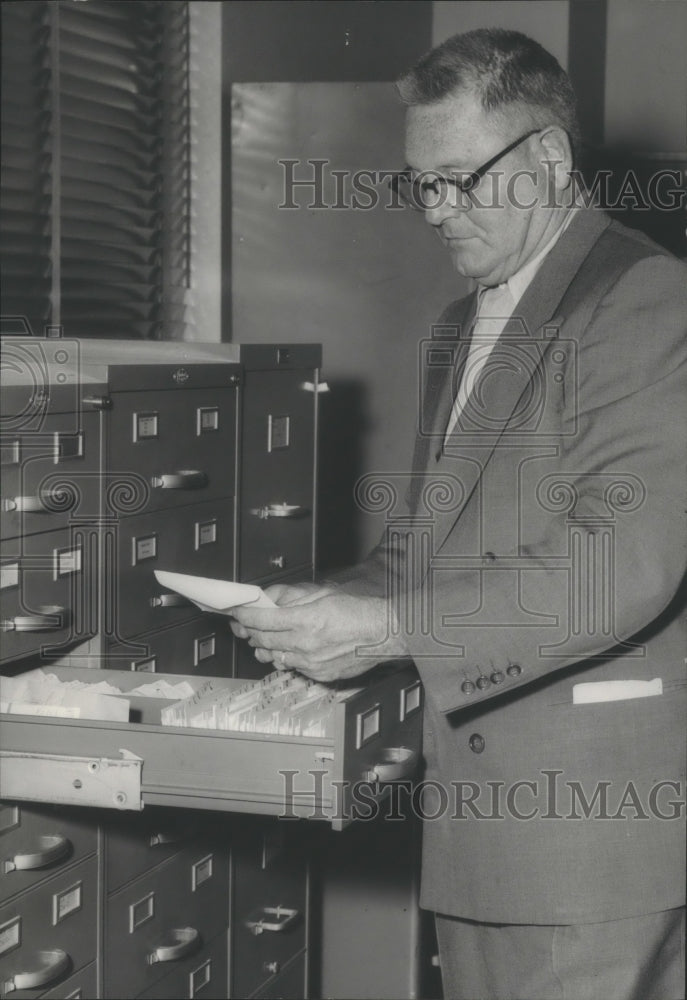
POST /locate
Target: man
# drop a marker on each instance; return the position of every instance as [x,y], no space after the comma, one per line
[544,616]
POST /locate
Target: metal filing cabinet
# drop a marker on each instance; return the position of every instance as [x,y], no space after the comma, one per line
[183,451]
[277,470]
[270,906]
[50,489]
[49,901]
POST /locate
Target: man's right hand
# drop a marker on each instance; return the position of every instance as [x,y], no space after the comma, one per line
[298,593]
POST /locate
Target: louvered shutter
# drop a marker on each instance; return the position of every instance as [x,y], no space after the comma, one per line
[119,218]
[26,189]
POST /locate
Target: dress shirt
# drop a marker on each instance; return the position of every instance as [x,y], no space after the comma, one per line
[494,308]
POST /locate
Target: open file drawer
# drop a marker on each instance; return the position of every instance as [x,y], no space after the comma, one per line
[374,739]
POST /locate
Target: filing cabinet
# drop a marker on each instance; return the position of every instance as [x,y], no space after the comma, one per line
[62,916]
[50,488]
[164,917]
[192,539]
[203,975]
[199,458]
[47,592]
[135,845]
[38,841]
[82,985]
[270,903]
[203,646]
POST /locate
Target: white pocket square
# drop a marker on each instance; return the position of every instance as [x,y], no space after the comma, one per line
[586,694]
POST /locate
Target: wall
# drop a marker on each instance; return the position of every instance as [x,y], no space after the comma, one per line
[340,278]
[645,75]
[544,20]
[205,298]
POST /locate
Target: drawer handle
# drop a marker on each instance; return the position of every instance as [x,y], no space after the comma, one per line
[312,387]
[169,601]
[51,618]
[271,918]
[396,763]
[280,510]
[186,942]
[167,837]
[53,964]
[48,502]
[186,479]
[52,849]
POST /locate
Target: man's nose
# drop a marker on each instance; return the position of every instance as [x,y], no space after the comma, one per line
[447,208]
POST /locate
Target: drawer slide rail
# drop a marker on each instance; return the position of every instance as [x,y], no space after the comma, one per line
[71,780]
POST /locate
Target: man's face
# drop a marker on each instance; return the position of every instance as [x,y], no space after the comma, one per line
[491,236]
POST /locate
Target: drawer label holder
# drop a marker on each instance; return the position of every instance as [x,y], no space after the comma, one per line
[70,780]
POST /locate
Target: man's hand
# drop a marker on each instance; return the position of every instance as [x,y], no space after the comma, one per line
[326,636]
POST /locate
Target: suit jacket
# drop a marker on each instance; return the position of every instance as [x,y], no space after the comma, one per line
[544,547]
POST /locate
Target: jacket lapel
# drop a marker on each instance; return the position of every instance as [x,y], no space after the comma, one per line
[515,363]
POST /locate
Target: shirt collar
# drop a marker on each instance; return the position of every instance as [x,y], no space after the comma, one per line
[518,282]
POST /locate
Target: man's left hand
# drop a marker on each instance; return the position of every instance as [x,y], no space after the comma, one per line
[330,638]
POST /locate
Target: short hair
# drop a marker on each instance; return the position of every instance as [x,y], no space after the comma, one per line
[504,68]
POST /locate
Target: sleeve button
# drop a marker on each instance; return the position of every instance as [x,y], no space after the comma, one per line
[514,670]
[483,682]
[498,677]
[467,687]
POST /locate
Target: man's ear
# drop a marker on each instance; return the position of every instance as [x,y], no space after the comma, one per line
[558,154]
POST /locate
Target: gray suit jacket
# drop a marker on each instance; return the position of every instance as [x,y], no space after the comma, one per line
[544,548]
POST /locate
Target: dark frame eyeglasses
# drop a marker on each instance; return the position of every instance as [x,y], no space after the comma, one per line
[412,190]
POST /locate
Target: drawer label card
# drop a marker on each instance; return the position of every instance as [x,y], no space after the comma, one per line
[9,575]
[66,562]
[10,935]
[10,817]
[411,699]
[207,419]
[368,725]
[200,977]
[67,902]
[144,547]
[146,425]
[201,871]
[10,452]
[67,446]
[206,532]
[278,432]
[204,648]
[148,666]
[141,912]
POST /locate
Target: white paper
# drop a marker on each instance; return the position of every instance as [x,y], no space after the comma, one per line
[589,693]
[214,595]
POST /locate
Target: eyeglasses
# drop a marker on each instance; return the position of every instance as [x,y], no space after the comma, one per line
[427,190]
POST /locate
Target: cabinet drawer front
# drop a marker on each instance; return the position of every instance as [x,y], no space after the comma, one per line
[374,735]
[59,917]
[47,595]
[158,438]
[197,539]
[38,841]
[178,907]
[277,472]
[82,985]
[203,646]
[134,844]
[50,478]
[269,907]
[288,983]
[204,975]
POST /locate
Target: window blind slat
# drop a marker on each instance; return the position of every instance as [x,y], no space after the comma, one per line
[118,110]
